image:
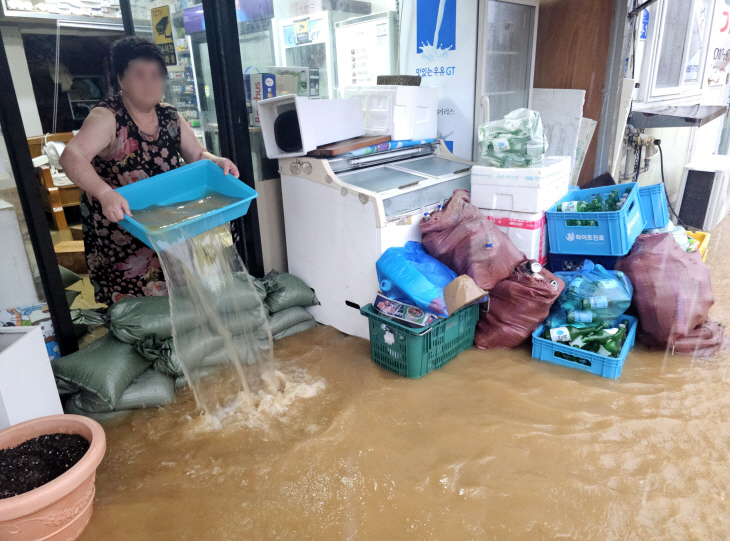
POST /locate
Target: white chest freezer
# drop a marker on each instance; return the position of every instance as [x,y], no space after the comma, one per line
[342,213]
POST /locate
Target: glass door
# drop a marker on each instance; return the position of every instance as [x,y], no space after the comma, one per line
[506,59]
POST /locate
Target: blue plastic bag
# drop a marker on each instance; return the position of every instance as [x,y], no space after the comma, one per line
[591,295]
[412,276]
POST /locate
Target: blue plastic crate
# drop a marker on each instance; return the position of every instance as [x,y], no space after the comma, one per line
[608,367]
[571,262]
[185,184]
[653,201]
[614,235]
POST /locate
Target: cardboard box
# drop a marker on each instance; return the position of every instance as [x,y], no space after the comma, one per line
[258,86]
[462,291]
[527,231]
[402,312]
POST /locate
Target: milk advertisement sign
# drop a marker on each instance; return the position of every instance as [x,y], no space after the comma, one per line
[439,42]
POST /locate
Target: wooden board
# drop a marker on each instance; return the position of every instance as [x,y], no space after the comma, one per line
[348,145]
[573,37]
[70,254]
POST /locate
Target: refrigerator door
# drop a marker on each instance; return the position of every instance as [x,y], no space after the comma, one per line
[506,59]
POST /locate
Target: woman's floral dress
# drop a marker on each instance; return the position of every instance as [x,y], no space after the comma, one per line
[119,264]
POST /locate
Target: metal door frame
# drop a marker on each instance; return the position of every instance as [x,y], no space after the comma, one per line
[35,216]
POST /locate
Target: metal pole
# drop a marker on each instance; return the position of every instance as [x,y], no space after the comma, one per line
[127,19]
[224,49]
[35,216]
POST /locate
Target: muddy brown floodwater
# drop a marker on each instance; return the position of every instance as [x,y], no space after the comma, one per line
[492,446]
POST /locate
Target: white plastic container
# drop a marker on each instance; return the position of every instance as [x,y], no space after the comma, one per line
[403,112]
[521,189]
[320,122]
[27,386]
[527,231]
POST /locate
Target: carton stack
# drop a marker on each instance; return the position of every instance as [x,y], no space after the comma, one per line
[516,199]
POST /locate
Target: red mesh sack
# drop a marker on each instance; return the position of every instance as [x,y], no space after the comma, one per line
[457,236]
[672,294]
[704,341]
[517,306]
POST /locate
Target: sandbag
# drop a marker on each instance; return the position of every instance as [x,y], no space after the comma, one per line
[296,329]
[286,291]
[411,276]
[672,295]
[105,368]
[71,295]
[151,389]
[134,318]
[68,277]
[85,316]
[281,321]
[458,236]
[161,353]
[71,408]
[518,306]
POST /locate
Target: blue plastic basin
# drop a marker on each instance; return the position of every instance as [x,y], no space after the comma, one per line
[185,184]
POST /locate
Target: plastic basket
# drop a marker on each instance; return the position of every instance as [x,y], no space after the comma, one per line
[185,184]
[704,240]
[614,235]
[570,262]
[416,352]
[608,367]
[653,201]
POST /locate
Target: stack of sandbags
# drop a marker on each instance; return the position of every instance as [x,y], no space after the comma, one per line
[108,376]
[286,298]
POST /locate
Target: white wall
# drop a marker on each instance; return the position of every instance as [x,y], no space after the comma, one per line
[21,80]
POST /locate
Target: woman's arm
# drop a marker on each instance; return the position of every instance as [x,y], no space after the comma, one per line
[192,151]
[97,134]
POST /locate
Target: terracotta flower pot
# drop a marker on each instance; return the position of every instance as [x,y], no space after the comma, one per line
[58,510]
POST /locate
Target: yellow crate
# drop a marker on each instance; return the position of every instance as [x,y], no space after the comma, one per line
[704,240]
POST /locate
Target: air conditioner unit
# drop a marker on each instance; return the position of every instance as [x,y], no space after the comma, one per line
[703,200]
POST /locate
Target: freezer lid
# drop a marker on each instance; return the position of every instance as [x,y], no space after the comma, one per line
[433,166]
[381,179]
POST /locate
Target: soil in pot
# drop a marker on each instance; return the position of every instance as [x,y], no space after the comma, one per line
[38,461]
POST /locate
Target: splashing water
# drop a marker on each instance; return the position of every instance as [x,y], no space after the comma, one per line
[220,326]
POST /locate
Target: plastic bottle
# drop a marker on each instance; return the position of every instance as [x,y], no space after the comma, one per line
[596,303]
[426,215]
[441,204]
[490,242]
[580,316]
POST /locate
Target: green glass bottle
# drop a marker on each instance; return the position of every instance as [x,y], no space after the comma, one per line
[569,333]
[610,340]
[574,206]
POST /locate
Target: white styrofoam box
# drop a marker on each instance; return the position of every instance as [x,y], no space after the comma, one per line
[320,122]
[27,386]
[520,189]
[527,231]
[403,112]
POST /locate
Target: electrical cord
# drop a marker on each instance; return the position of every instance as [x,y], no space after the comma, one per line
[666,192]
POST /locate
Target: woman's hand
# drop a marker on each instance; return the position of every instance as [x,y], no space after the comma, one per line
[228,166]
[114,206]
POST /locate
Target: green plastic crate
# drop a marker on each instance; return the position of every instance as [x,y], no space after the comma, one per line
[416,352]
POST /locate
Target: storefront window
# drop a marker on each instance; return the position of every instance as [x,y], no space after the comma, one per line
[311,48]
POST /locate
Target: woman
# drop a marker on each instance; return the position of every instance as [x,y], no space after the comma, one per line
[126,138]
